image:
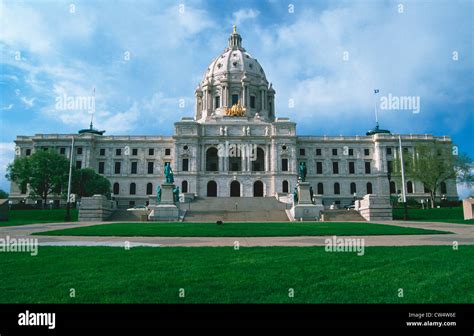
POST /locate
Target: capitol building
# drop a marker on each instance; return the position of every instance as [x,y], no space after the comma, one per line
[237,146]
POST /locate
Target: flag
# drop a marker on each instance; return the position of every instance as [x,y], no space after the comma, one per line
[376,91]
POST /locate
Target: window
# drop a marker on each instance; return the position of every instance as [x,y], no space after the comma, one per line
[369,188]
[78,164]
[150,167]
[28,152]
[167,151]
[319,167]
[133,169]
[284,186]
[320,189]
[217,102]
[45,148]
[318,151]
[79,150]
[151,151]
[351,151]
[405,150]
[337,189]
[184,186]
[102,152]
[367,167]
[366,151]
[117,168]
[334,151]
[335,167]
[235,99]
[252,102]
[443,188]
[389,150]
[133,188]
[116,188]
[185,164]
[393,187]
[302,151]
[101,167]
[390,166]
[351,167]
[284,164]
[62,150]
[118,151]
[134,151]
[149,188]
[353,188]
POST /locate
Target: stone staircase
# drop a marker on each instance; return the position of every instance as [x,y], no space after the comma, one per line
[248,209]
[342,215]
[122,215]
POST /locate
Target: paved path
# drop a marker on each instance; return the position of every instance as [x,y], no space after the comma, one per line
[462,233]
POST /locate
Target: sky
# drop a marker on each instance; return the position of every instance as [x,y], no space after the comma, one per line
[144,60]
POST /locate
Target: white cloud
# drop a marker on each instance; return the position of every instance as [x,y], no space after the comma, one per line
[244,15]
[6,108]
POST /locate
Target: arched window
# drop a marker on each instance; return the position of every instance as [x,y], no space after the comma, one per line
[409,187]
[116,188]
[444,189]
[393,187]
[369,188]
[184,186]
[149,188]
[353,188]
[337,188]
[133,188]
[211,189]
[284,186]
[212,160]
[320,189]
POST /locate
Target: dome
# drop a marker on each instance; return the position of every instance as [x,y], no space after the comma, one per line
[234,77]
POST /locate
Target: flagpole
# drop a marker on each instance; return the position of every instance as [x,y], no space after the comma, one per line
[375,108]
[404,195]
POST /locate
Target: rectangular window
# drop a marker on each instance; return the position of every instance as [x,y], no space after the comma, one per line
[150,167]
[185,164]
[102,152]
[318,151]
[302,151]
[118,151]
[101,167]
[389,150]
[28,152]
[351,151]
[335,167]
[134,151]
[252,102]
[79,150]
[366,151]
[78,164]
[367,167]
[319,167]
[151,151]
[284,164]
[218,101]
[235,99]
[334,151]
[117,168]
[133,169]
[167,151]
[62,150]
[351,167]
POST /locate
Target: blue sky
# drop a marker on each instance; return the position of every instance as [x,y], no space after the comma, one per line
[325,56]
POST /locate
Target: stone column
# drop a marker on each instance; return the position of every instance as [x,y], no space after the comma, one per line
[243,163]
[203,158]
[267,154]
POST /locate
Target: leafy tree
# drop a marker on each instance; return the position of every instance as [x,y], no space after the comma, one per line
[46,173]
[432,164]
[86,182]
[3,194]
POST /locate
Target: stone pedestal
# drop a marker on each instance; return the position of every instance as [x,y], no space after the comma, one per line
[166,210]
[468,208]
[305,209]
[95,208]
[374,207]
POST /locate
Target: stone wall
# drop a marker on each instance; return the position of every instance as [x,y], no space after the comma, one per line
[374,207]
[95,208]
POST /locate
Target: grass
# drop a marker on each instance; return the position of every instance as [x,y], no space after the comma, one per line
[448,215]
[277,229]
[24,217]
[427,274]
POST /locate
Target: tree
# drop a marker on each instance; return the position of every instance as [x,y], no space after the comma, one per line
[3,194]
[86,182]
[45,172]
[433,164]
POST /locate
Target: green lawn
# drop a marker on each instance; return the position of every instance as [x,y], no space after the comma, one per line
[278,229]
[427,274]
[448,215]
[23,217]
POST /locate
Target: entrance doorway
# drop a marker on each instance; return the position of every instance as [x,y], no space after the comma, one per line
[211,189]
[258,189]
[235,189]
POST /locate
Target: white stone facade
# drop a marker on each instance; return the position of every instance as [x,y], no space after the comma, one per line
[235,76]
